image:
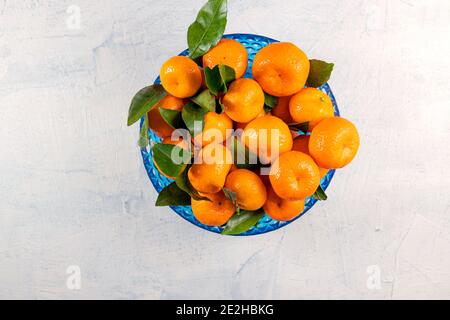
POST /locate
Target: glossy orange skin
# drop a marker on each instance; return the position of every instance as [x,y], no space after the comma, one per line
[238,125]
[161,128]
[281,110]
[310,105]
[228,52]
[218,128]
[280,209]
[181,77]
[334,143]
[250,190]
[209,176]
[244,100]
[281,69]
[258,135]
[301,144]
[294,176]
[213,213]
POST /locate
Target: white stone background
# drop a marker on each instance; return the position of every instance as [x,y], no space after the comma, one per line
[74,191]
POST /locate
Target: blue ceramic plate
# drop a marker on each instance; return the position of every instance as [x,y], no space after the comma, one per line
[253,43]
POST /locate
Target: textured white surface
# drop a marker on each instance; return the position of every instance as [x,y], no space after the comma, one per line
[73,188]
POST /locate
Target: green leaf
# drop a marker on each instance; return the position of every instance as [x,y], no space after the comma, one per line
[303,127]
[227,74]
[143,136]
[242,222]
[163,157]
[192,113]
[270,102]
[208,28]
[172,195]
[143,101]
[319,73]
[213,80]
[172,117]
[205,100]
[320,194]
[183,183]
[218,78]
[243,158]
[232,196]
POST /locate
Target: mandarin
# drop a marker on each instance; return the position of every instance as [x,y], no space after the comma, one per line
[267,136]
[228,52]
[281,69]
[280,209]
[217,128]
[244,100]
[334,143]
[215,212]
[210,170]
[250,190]
[238,125]
[310,105]
[294,176]
[301,144]
[181,77]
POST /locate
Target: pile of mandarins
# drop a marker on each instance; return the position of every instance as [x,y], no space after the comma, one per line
[280,70]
